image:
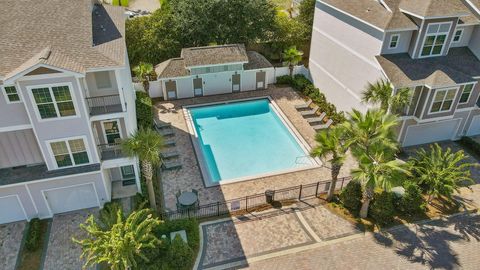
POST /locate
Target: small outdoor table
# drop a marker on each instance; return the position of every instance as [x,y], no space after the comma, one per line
[187,198]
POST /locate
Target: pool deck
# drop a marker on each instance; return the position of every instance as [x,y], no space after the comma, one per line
[190,177]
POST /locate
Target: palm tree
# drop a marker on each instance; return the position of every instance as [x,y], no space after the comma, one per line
[120,245]
[373,144]
[375,170]
[143,72]
[441,171]
[381,92]
[292,56]
[332,142]
[146,144]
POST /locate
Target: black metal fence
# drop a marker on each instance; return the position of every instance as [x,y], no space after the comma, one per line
[255,202]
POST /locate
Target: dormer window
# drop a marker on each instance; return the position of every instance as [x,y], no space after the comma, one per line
[394,39]
[458,36]
[435,39]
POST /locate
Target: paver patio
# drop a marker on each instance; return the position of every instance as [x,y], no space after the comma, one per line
[62,253]
[10,241]
[190,176]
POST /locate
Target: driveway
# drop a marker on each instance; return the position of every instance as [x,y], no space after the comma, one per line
[10,240]
[62,253]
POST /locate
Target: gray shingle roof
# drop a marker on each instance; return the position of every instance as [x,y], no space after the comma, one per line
[171,68]
[214,55]
[61,34]
[459,66]
[435,8]
[256,61]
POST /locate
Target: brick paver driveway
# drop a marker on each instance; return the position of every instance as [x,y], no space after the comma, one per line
[62,253]
[10,240]
[448,244]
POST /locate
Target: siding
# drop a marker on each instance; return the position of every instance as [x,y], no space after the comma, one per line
[423,32]
[403,44]
[13,114]
[19,148]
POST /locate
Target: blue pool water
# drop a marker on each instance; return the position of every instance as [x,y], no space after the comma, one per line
[244,139]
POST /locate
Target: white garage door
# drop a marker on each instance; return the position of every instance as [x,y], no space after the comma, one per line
[71,198]
[434,132]
[11,210]
[474,128]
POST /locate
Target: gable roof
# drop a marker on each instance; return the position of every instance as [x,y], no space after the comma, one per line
[214,55]
[61,34]
[435,8]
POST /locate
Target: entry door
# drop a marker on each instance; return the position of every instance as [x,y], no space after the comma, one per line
[198,87]
[71,198]
[260,76]
[11,210]
[236,83]
[171,87]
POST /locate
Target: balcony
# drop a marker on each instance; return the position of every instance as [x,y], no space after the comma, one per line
[110,151]
[104,104]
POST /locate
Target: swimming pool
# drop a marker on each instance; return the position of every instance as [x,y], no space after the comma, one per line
[244,139]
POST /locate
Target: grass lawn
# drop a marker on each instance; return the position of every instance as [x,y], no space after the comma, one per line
[32,259]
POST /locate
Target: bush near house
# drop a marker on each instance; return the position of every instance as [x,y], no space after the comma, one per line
[351,196]
[301,84]
[470,144]
[144,109]
[412,202]
[34,235]
[383,208]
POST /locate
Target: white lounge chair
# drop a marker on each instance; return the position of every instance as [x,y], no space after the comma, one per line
[304,106]
[310,113]
[324,126]
[316,119]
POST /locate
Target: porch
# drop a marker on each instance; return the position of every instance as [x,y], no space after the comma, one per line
[124,180]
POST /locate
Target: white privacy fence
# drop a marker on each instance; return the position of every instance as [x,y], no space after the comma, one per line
[282,71]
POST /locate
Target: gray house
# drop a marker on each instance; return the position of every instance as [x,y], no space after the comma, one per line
[429,46]
[67,100]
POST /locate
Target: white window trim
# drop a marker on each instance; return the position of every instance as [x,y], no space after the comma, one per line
[469,95]
[49,86]
[433,100]
[391,39]
[103,129]
[461,35]
[7,100]
[426,35]
[52,156]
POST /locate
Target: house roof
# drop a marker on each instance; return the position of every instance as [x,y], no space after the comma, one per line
[62,34]
[435,8]
[459,66]
[214,55]
[256,61]
[171,68]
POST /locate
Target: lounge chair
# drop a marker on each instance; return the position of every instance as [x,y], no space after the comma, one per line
[170,154]
[169,142]
[304,106]
[310,113]
[171,165]
[165,131]
[160,124]
[324,126]
[316,119]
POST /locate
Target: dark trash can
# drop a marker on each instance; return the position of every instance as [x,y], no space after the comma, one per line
[269,194]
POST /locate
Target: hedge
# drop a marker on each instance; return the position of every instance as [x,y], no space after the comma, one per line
[34,235]
[144,108]
[412,201]
[301,84]
[382,208]
[351,196]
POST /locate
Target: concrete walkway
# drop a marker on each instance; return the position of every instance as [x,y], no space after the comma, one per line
[10,241]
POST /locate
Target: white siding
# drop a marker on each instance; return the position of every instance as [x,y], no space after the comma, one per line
[403,42]
[19,148]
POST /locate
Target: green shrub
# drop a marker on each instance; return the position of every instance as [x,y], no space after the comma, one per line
[108,215]
[124,3]
[286,79]
[300,82]
[471,144]
[412,201]
[382,208]
[144,110]
[180,255]
[351,196]
[115,2]
[34,235]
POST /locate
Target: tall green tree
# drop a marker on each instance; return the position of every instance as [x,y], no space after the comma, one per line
[374,144]
[287,33]
[143,71]
[306,13]
[146,144]
[381,92]
[292,56]
[441,171]
[122,244]
[332,143]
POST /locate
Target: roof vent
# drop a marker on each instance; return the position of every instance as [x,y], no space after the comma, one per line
[45,54]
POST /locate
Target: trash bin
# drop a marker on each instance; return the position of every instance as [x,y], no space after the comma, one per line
[269,194]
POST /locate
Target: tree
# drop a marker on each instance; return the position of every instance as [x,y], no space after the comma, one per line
[292,56]
[146,144]
[332,143]
[287,33]
[122,244]
[381,92]
[143,72]
[373,145]
[306,13]
[442,172]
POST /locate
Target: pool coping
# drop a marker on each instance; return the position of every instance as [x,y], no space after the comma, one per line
[206,177]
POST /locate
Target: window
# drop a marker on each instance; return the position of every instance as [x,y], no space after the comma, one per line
[394,41]
[443,100]
[458,36]
[11,94]
[467,91]
[53,102]
[435,39]
[112,131]
[69,153]
[102,79]
[128,172]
